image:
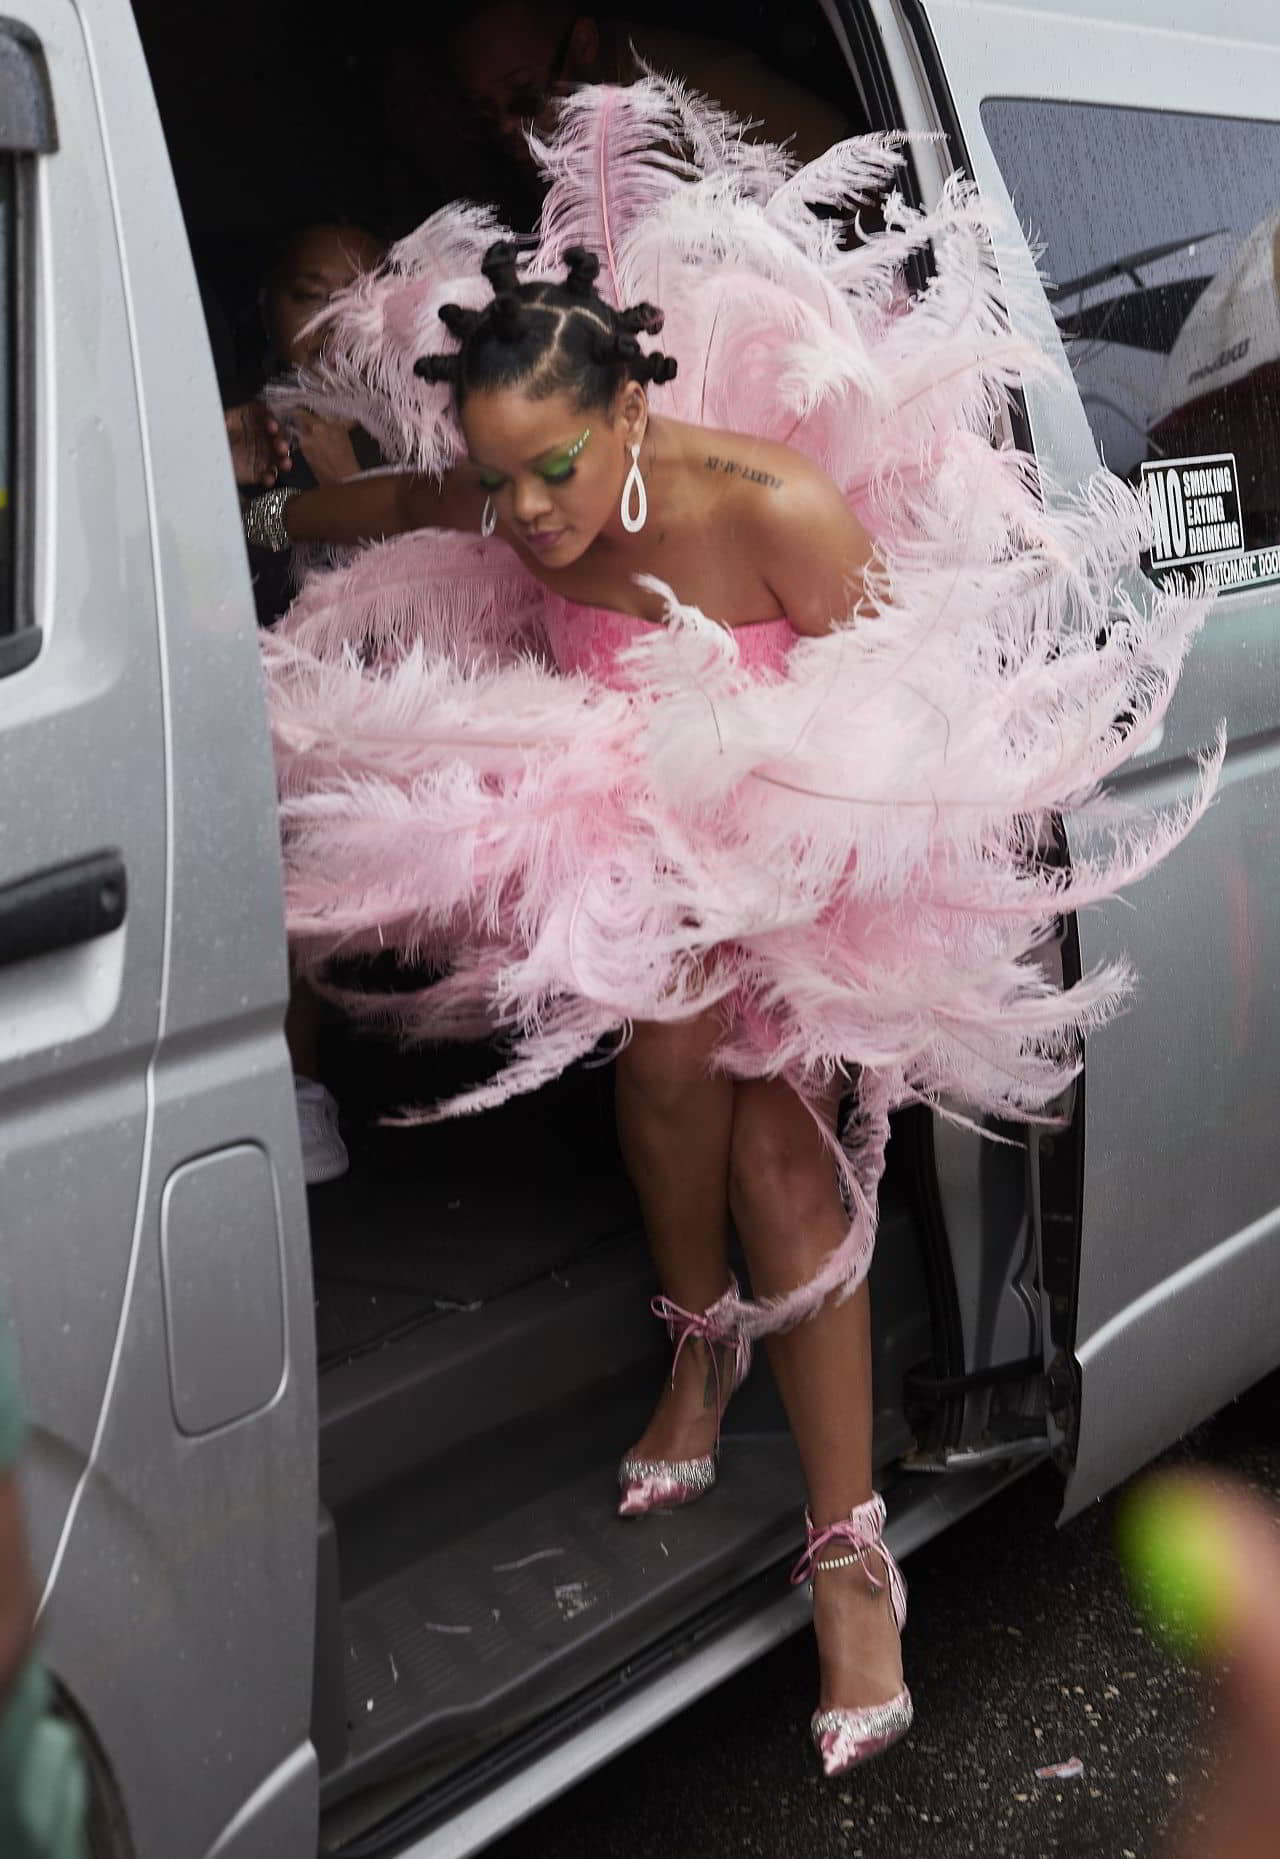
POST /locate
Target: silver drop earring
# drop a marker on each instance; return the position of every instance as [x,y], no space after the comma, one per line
[634,492]
[488,517]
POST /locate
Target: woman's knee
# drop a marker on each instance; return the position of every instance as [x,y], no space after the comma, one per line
[780,1167]
[664,1066]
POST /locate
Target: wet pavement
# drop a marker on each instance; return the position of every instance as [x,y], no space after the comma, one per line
[1022,1651]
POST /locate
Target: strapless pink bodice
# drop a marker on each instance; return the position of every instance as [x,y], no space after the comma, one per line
[592,640]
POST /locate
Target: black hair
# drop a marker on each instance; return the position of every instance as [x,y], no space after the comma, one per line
[547,338]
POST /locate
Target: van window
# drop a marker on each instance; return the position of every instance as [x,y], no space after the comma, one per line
[1160,235]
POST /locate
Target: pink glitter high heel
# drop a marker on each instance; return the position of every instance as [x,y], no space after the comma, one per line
[846,1738]
[667,1484]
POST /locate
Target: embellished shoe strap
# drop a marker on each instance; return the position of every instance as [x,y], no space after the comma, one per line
[863,1532]
[716,1328]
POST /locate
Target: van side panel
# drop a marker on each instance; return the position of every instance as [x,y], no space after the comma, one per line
[1179,1279]
[81,772]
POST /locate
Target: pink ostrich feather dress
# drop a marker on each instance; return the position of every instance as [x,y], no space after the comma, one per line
[583,820]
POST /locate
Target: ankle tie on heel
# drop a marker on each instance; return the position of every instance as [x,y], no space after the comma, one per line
[663,1484]
[863,1531]
[717,1328]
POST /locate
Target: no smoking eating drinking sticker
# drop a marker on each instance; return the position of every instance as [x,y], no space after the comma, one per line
[1197,523]
[1195,511]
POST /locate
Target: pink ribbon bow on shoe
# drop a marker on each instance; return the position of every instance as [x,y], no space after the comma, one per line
[666,1484]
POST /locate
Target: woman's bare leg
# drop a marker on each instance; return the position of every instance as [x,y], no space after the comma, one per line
[674,1122]
[786,1203]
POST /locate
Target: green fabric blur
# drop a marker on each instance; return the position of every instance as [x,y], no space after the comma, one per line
[42,1784]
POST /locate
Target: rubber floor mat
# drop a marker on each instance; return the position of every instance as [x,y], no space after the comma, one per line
[352,1319]
[475,1638]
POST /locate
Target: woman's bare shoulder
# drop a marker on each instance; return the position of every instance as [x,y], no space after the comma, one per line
[809,547]
[780,485]
[785,520]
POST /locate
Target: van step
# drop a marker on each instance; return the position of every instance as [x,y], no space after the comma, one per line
[423,1395]
[461,1811]
[451,1215]
[471,1642]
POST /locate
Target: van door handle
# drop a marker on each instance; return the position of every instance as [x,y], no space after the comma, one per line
[58,908]
[18,650]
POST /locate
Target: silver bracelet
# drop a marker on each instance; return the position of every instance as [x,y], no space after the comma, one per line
[264,520]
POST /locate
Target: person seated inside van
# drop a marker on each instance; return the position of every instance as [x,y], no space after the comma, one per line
[313,263]
[507,62]
[310,266]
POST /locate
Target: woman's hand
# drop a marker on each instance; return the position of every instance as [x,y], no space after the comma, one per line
[259,450]
[326,446]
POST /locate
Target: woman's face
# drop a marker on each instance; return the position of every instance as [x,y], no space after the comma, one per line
[554,470]
[313,268]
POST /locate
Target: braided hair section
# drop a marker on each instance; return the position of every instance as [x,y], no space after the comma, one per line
[547,337]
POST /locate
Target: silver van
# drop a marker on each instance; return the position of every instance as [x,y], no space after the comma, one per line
[322,1498]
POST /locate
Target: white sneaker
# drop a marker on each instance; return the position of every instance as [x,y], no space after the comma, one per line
[324,1154]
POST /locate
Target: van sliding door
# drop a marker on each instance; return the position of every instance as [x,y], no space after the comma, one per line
[82,792]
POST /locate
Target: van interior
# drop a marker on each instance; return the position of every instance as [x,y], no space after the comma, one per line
[486,1349]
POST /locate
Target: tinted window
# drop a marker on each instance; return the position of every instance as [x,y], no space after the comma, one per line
[1161,243]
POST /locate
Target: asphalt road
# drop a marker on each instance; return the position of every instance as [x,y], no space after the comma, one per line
[1022,1650]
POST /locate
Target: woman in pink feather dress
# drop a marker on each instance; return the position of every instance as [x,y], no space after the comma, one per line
[726,732]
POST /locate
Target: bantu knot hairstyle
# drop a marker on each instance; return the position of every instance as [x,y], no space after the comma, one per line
[548,338]
[582,268]
[498,268]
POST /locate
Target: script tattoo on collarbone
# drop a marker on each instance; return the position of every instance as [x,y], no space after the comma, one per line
[748,473]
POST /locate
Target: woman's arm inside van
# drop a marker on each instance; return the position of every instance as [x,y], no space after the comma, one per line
[383,504]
